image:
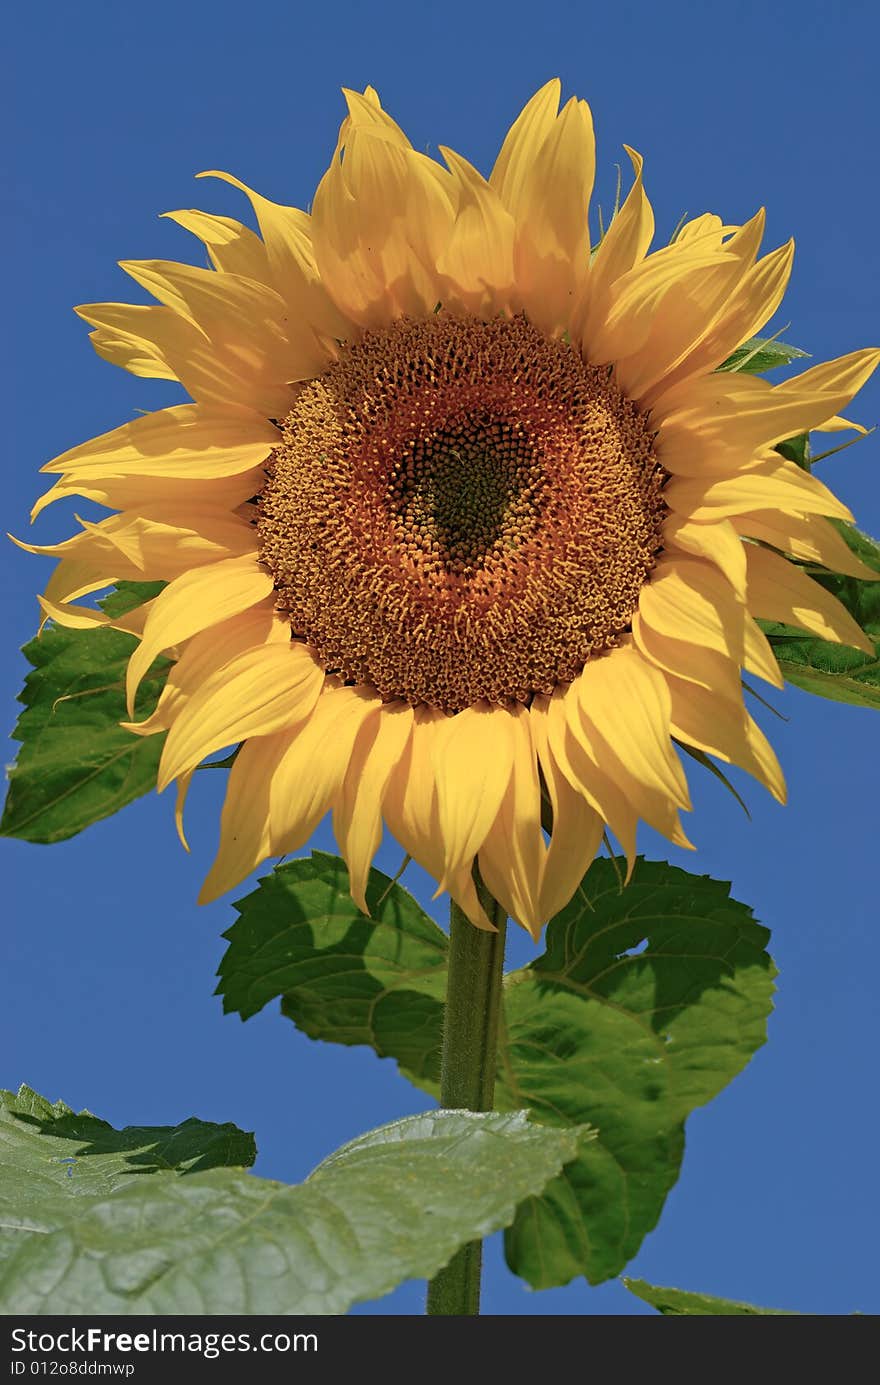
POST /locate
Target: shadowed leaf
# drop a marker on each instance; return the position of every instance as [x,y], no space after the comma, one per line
[646,1003]
[379,981]
[836,671]
[76,764]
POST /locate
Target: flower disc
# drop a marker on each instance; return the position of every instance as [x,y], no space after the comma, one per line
[461,511]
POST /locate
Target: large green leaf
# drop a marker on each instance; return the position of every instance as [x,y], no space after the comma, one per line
[379,981]
[595,1031]
[76,765]
[679,1303]
[117,1238]
[51,1155]
[762,353]
[645,1005]
[837,671]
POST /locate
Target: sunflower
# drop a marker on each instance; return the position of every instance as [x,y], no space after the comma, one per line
[464,531]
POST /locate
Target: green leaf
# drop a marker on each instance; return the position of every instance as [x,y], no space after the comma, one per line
[595,1031]
[76,765]
[862,545]
[796,449]
[679,1303]
[762,353]
[836,671]
[393,1205]
[126,596]
[632,1037]
[51,1155]
[379,981]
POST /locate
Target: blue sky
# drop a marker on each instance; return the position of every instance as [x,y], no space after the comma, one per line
[109,964]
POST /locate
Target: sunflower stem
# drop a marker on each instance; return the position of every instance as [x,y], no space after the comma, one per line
[467,1071]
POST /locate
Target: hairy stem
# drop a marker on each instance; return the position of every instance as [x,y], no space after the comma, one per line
[467,1073]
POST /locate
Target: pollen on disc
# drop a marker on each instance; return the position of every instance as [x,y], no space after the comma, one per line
[461,510]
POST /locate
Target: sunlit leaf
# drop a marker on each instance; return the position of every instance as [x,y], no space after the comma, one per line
[120,1234]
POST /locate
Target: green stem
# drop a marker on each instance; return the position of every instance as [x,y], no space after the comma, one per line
[467,1072]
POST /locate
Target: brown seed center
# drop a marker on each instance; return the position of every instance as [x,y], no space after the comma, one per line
[461,510]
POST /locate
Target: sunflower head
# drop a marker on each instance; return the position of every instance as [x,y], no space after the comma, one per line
[461,511]
[464,530]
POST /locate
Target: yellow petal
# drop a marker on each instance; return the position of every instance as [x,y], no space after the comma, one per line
[778,590]
[233,248]
[724,729]
[808,537]
[411,809]
[690,600]
[128,547]
[287,235]
[698,226]
[86,618]
[212,302]
[728,412]
[577,827]
[522,143]
[310,774]
[365,111]
[207,652]
[73,579]
[572,752]
[626,241]
[196,601]
[843,377]
[189,440]
[71,617]
[512,854]
[94,562]
[752,301]
[551,211]
[773,484]
[264,690]
[473,755]
[245,322]
[838,424]
[745,242]
[245,838]
[412,815]
[697,663]
[162,548]
[759,656]
[357,816]
[718,543]
[635,299]
[142,339]
[477,264]
[184,539]
[151,495]
[685,315]
[625,700]
[379,219]
[183,784]
[642,800]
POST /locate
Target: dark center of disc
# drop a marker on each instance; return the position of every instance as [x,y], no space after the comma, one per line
[467,492]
